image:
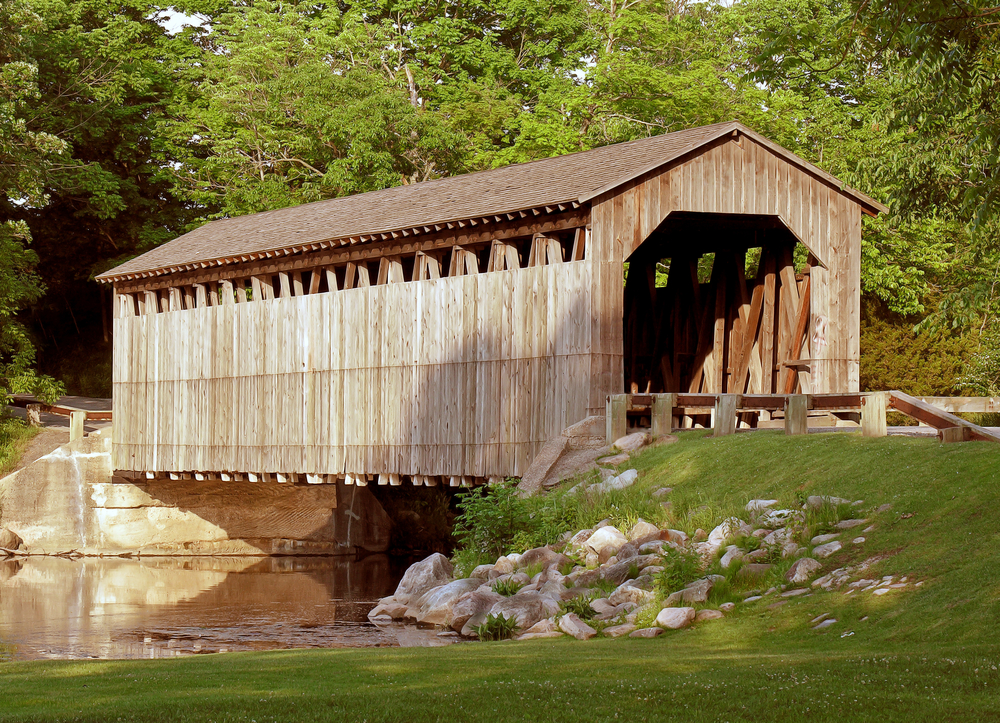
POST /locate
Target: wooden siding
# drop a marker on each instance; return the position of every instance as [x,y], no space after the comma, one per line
[454,376]
[735,175]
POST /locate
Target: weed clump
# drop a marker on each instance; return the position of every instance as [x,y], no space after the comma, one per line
[496,627]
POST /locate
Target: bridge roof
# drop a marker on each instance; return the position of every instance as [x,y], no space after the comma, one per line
[551,183]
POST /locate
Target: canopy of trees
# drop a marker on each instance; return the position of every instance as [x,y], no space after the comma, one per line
[120,130]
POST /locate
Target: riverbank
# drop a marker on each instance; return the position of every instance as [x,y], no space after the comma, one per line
[927,653]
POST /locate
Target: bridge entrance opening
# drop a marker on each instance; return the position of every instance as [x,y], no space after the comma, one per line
[719,303]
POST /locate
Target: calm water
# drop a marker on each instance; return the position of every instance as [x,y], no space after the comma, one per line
[164,607]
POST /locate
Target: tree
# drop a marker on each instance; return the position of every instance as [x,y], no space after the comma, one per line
[25,156]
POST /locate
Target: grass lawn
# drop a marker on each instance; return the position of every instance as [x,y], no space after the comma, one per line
[927,653]
[14,438]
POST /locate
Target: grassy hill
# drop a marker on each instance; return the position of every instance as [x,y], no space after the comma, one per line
[921,653]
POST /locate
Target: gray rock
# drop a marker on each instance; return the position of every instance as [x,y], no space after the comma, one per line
[857,540]
[675,618]
[848,524]
[431,572]
[10,540]
[633,442]
[616,631]
[792,549]
[482,572]
[391,610]
[543,626]
[643,529]
[526,607]
[697,592]
[777,538]
[704,615]
[825,624]
[761,553]
[823,539]
[643,582]
[614,460]
[652,547]
[662,492]
[724,531]
[473,606]
[756,506]
[727,607]
[795,592]
[733,553]
[603,523]
[780,518]
[544,556]
[646,632]
[628,593]
[753,598]
[571,624]
[802,570]
[816,501]
[628,551]
[434,607]
[619,482]
[539,636]
[607,540]
[824,551]
[601,605]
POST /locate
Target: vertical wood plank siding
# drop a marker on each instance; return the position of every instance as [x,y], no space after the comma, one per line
[465,375]
[734,175]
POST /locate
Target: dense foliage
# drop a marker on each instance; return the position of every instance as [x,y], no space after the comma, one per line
[120,130]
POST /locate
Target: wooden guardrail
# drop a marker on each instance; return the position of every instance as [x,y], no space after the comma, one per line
[872,406]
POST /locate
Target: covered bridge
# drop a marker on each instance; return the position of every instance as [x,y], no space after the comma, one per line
[449,328]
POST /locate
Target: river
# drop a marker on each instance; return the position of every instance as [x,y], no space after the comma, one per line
[160,607]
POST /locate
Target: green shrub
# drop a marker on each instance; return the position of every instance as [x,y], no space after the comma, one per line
[507,587]
[679,568]
[579,605]
[497,627]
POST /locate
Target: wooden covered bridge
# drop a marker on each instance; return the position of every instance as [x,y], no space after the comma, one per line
[447,329]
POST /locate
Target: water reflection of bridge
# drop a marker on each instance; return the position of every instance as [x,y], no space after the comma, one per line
[152,607]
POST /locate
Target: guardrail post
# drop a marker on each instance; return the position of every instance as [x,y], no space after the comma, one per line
[662,421]
[797,414]
[76,420]
[616,418]
[725,414]
[873,407]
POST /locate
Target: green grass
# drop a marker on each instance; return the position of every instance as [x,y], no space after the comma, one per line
[14,438]
[918,654]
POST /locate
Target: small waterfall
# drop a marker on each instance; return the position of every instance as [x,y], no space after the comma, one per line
[77,505]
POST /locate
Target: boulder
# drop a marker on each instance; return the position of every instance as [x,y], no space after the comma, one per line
[629,593]
[848,524]
[676,536]
[434,607]
[802,570]
[392,610]
[601,606]
[728,529]
[617,631]
[543,556]
[633,442]
[823,539]
[618,482]
[473,607]
[543,626]
[526,607]
[653,547]
[816,501]
[792,549]
[778,537]
[696,592]
[571,624]
[646,632]
[431,572]
[704,615]
[10,540]
[607,540]
[757,506]
[780,518]
[824,551]
[614,460]
[733,553]
[761,553]
[727,607]
[643,529]
[628,551]
[539,636]
[675,618]
[483,572]
[504,566]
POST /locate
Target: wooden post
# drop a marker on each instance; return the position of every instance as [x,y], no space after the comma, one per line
[873,408]
[797,414]
[616,419]
[76,420]
[725,414]
[663,412]
[955,434]
[34,415]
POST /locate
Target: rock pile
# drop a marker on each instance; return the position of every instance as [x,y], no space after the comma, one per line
[604,580]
